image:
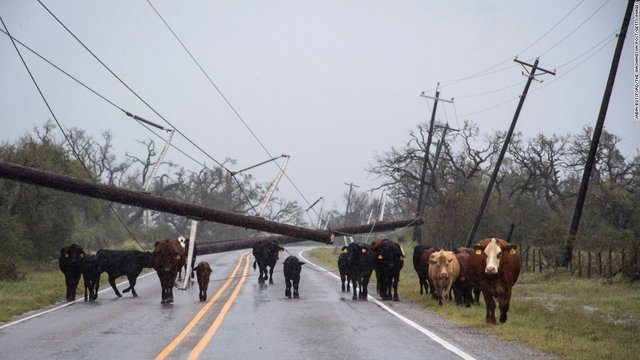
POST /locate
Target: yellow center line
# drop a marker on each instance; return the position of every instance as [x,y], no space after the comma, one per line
[167,350]
[197,350]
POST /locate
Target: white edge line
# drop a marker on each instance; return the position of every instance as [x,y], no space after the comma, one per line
[64,305]
[409,322]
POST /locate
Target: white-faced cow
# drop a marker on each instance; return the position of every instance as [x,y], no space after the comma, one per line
[494,267]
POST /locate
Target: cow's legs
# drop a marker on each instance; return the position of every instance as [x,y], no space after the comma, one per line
[342,279]
[132,283]
[296,282]
[396,280]
[491,307]
[271,275]
[504,300]
[112,282]
[287,291]
[355,289]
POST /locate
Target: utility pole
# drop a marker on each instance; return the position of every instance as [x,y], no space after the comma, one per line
[351,186]
[425,160]
[432,180]
[597,132]
[417,231]
[531,76]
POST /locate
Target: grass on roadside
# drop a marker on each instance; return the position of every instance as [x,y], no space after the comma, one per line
[559,313]
[36,291]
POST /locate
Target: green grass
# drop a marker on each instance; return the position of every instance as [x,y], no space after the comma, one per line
[559,313]
[35,291]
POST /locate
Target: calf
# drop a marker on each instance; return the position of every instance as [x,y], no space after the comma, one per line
[70,263]
[342,268]
[494,267]
[167,258]
[359,260]
[389,260]
[443,272]
[91,271]
[265,253]
[203,271]
[127,263]
[292,268]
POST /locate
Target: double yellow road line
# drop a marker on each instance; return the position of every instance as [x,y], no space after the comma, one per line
[197,350]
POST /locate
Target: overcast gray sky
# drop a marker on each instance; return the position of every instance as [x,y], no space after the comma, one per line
[328,82]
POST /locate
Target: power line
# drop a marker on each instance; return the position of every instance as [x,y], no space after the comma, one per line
[575,29]
[73,149]
[128,87]
[99,95]
[227,100]
[143,101]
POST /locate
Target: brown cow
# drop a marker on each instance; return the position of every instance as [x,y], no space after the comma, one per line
[167,258]
[494,267]
[462,288]
[203,270]
[443,272]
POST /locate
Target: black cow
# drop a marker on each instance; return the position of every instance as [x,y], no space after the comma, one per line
[360,258]
[91,271]
[265,253]
[423,277]
[292,268]
[70,263]
[342,268]
[389,260]
[127,263]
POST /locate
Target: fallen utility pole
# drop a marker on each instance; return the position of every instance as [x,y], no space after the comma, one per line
[137,198]
[532,74]
[595,140]
[247,243]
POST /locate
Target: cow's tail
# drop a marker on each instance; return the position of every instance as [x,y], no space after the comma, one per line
[254,264]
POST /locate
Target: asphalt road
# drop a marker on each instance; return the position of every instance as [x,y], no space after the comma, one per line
[243,320]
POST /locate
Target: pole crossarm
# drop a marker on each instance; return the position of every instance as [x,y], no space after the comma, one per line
[524,64]
[144,200]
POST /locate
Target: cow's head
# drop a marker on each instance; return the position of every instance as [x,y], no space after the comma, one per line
[494,251]
[441,262]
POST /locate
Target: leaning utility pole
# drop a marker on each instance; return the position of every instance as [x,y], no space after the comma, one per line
[417,231]
[351,186]
[597,131]
[531,76]
[425,160]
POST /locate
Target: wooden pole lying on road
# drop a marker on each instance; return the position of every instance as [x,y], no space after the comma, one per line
[230,245]
[141,199]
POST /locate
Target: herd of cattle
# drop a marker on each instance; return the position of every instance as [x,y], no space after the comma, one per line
[491,267]
[167,259]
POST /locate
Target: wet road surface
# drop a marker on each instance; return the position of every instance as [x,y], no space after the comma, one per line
[240,320]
